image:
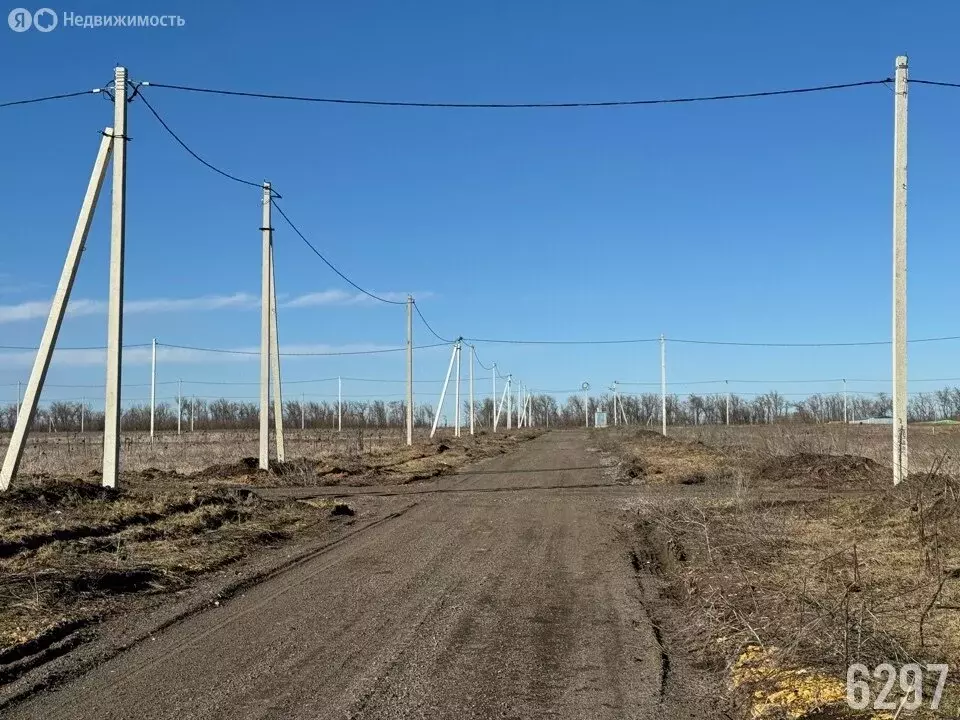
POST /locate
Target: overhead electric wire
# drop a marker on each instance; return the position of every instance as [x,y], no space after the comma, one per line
[61,96]
[195,156]
[331,265]
[91,347]
[429,327]
[522,105]
[809,344]
[299,354]
[274,196]
[560,342]
[479,361]
[936,83]
[626,341]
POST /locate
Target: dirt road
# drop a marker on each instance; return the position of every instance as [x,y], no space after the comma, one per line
[503,592]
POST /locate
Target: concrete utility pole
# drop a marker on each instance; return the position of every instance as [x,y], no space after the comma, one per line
[443,391]
[266,228]
[456,413]
[339,404]
[616,419]
[519,404]
[83,408]
[275,363]
[179,405]
[473,355]
[41,363]
[727,382]
[509,398]
[493,407]
[409,369]
[153,386]
[586,404]
[663,382]
[111,422]
[844,400]
[900,455]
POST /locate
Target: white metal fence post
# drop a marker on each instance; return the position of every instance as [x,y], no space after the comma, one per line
[900,455]
[111,423]
[265,239]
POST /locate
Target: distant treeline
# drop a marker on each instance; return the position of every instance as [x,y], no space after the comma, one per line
[545,410]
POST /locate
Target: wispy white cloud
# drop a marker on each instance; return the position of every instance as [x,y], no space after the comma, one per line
[10,284]
[341,297]
[237,301]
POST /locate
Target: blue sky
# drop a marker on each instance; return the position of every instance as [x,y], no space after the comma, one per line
[756,220]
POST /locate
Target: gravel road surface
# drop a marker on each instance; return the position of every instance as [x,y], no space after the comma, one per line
[504,592]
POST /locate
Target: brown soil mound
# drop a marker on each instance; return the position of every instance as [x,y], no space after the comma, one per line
[51,494]
[822,471]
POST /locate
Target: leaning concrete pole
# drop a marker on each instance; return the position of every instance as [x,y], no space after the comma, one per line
[265,230]
[111,416]
[51,330]
[275,364]
[900,457]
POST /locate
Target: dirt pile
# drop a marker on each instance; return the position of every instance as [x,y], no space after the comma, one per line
[822,471]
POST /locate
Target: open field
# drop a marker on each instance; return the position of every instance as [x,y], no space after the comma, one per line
[721,570]
[793,556]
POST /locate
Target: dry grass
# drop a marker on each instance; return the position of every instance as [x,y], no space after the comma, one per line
[70,550]
[808,559]
[229,457]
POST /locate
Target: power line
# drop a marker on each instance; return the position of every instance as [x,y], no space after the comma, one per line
[92,347]
[196,157]
[479,361]
[274,195]
[62,96]
[555,105]
[428,326]
[935,83]
[561,342]
[809,344]
[331,265]
[298,354]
